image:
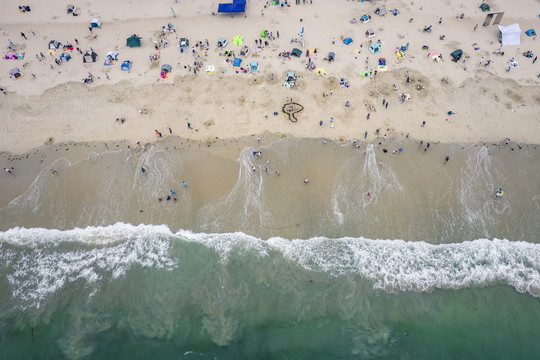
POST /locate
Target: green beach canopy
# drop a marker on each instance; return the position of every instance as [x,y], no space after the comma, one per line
[133,41]
[238,40]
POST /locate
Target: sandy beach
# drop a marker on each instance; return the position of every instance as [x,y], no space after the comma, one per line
[51,104]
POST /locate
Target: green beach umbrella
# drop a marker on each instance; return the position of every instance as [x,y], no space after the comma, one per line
[238,40]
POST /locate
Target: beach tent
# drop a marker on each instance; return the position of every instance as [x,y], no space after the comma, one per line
[53,44]
[331,56]
[370,33]
[347,41]
[530,32]
[290,80]
[235,6]
[254,66]
[382,61]
[96,23]
[456,55]
[485,7]
[110,58]
[72,9]
[510,35]
[264,33]
[244,51]
[133,41]
[296,52]
[222,42]
[183,44]
[65,57]
[237,62]
[375,48]
[238,40]
[16,73]
[365,18]
[320,71]
[89,56]
[381,11]
[126,65]
[165,70]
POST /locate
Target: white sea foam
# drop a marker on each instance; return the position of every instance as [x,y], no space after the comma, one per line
[397,265]
[41,262]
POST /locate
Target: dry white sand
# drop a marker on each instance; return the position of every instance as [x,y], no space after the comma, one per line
[490,104]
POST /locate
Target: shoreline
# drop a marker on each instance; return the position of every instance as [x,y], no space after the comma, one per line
[28,165]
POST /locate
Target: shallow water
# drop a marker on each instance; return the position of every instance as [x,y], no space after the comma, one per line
[414,195]
[225,277]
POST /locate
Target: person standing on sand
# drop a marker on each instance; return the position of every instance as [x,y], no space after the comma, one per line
[24,36]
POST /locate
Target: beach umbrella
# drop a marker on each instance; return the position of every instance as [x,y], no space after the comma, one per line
[238,40]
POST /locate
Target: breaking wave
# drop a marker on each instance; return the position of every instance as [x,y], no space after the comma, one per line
[38,263]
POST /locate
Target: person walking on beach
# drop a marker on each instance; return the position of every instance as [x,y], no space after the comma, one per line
[535,58]
[24,36]
[8,170]
[3,32]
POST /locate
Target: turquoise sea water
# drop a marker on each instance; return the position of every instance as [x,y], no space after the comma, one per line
[144,292]
[271,268]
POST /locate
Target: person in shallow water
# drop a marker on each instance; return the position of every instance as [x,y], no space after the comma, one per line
[499,193]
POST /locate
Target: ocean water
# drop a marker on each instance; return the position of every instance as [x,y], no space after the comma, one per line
[248,264]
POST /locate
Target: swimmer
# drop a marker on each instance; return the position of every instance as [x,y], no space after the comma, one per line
[172,192]
[54,172]
[306,180]
[277,173]
[184,184]
[168,197]
[143,169]
[447,158]
[499,193]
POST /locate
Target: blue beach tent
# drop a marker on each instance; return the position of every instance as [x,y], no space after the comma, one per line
[126,65]
[235,6]
[530,32]
[347,41]
[237,62]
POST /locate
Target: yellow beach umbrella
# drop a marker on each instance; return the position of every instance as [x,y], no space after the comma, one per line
[238,40]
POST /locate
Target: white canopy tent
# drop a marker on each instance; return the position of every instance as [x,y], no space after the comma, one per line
[510,35]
